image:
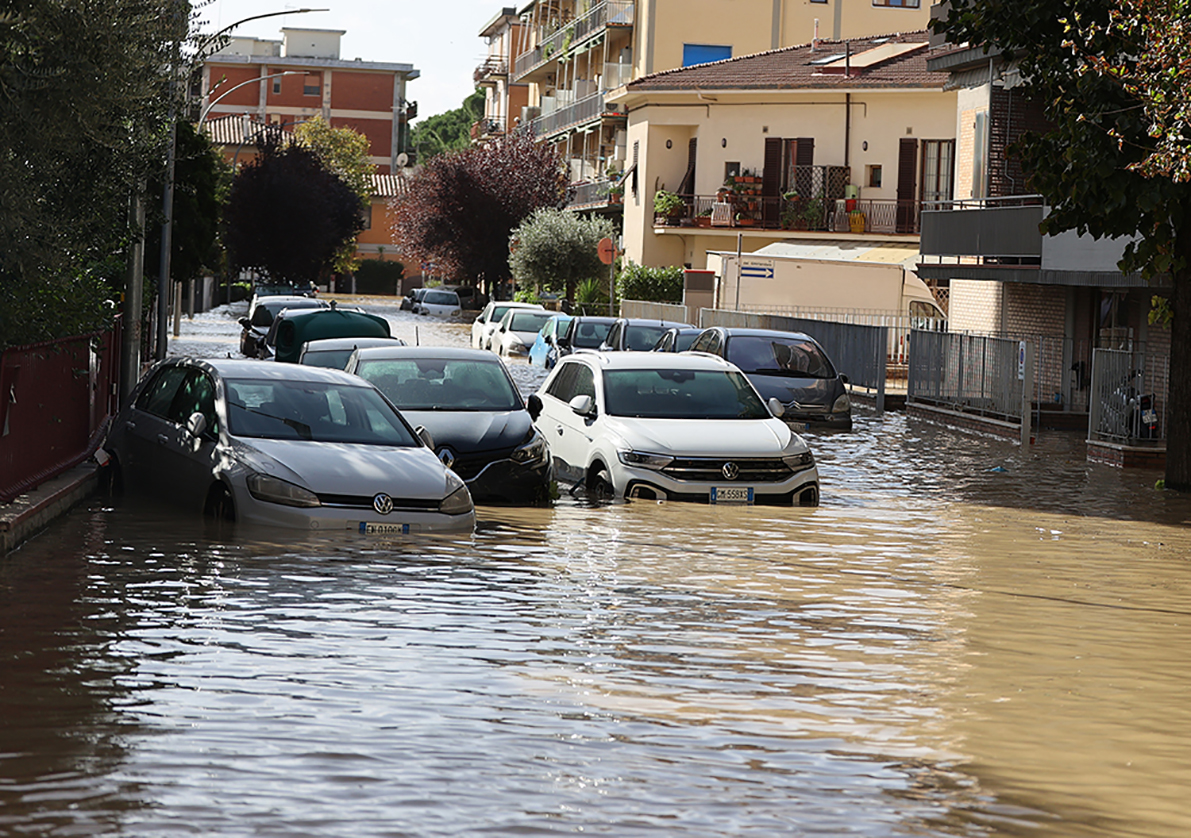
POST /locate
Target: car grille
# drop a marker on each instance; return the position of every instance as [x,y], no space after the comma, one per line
[708,470]
[365,502]
[468,466]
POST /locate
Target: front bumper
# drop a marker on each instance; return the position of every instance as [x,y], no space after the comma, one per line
[504,481]
[801,488]
[250,510]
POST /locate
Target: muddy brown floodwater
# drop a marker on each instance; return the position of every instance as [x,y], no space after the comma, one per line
[964,640]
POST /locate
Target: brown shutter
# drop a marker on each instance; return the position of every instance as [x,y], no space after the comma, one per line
[687,187]
[771,182]
[907,185]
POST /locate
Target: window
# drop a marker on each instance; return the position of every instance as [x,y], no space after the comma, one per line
[872,176]
[704,53]
[937,166]
[905,4]
[277,85]
[312,85]
[731,169]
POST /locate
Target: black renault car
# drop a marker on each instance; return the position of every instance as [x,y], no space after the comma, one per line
[789,366]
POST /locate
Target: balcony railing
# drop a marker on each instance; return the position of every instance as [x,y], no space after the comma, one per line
[885,216]
[594,193]
[492,67]
[994,228]
[585,110]
[610,13]
[487,127]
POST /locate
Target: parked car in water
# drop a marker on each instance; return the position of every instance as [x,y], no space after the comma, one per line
[439,303]
[518,330]
[333,353]
[544,351]
[261,313]
[585,332]
[788,366]
[468,402]
[286,289]
[670,427]
[292,329]
[489,320]
[412,298]
[632,334]
[284,445]
[677,339]
[470,297]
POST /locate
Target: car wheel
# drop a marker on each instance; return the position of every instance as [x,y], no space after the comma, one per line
[600,487]
[219,504]
[111,478]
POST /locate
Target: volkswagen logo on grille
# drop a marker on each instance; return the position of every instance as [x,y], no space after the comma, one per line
[447,456]
[382,503]
[730,471]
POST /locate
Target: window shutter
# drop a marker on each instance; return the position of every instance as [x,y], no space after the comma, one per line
[687,187]
[771,181]
[907,184]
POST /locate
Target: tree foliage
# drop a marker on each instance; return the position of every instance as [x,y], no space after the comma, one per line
[1108,72]
[347,153]
[287,215]
[555,250]
[450,131]
[654,285]
[459,208]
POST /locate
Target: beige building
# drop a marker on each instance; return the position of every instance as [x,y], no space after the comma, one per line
[838,141]
[572,53]
[503,97]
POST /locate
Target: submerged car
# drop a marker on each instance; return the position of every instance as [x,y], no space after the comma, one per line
[518,330]
[439,303]
[632,334]
[333,353]
[670,427]
[476,417]
[261,314]
[283,445]
[489,319]
[788,366]
[544,351]
[677,339]
[293,329]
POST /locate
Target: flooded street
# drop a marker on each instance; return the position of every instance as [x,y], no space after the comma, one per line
[964,639]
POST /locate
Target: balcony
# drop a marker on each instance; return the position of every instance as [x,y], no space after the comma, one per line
[867,216]
[587,109]
[609,14]
[492,69]
[487,128]
[595,194]
[994,230]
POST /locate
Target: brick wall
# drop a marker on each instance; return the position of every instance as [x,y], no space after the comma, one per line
[964,154]
[974,306]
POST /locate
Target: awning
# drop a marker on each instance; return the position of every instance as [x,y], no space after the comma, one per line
[874,252]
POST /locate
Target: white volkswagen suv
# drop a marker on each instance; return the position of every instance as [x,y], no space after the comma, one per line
[670,427]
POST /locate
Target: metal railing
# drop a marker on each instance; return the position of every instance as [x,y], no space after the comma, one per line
[898,325]
[1127,402]
[593,192]
[975,374]
[56,399]
[559,42]
[882,216]
[586,109]
[492,66]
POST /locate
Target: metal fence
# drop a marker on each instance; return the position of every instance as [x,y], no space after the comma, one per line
[55,401]
[899,325]
[975,374]
[857,350]
[1127,402]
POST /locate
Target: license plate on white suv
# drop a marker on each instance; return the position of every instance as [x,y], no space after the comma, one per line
[383,529]
[731,494]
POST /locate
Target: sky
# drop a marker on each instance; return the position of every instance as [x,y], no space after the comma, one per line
[439,38]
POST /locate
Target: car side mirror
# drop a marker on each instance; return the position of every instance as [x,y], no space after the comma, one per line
[425,436]
[583,405]
[245,322]
[776,408]
[533,406]
[196,425]
[843,378]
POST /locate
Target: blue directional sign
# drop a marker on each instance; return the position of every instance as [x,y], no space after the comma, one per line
[756,271]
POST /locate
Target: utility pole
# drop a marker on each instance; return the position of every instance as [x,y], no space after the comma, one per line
[130,342]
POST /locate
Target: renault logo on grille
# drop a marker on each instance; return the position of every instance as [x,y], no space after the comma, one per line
[382,503]
[730,471]
[447,456]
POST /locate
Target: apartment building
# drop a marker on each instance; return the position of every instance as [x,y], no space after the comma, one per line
[503,98]
[284,82]
[572,53]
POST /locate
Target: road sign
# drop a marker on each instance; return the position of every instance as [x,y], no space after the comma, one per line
[607,251]
[756,270]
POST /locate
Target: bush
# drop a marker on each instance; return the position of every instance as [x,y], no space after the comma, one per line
[377,277]
[653,285]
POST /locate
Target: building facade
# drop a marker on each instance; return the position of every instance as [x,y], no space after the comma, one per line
[285,82]
[503,98]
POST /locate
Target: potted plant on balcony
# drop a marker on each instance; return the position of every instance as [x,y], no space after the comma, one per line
[812,214]
[616,193]
[667,207]
[703,219]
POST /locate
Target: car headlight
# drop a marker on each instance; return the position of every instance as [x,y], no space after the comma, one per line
[456,503]
[533,451]
[799,462]
[274,490]
[643,460]
[842,405]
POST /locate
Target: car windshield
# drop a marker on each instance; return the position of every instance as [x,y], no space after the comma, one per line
[315,411]
[331,358]
[641,338]
[590,335]
[528,321]
[682,394]
[442,383]
[791,356]
[441,298]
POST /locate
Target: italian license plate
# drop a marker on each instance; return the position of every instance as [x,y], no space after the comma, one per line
[383,529]
[731,494]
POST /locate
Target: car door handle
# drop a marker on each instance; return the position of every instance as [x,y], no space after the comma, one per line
[162,439]
[559,429]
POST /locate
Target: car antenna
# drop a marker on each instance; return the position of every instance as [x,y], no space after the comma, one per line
[334,304]
[416,341]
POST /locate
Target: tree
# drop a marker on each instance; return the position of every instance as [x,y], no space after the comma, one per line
[82,119]
[1099,167]
[655,285]
[450,131]
[555,250]
[347,153]
[287,215]
[459,208]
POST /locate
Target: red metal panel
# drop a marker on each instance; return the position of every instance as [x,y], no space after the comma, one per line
[55,400]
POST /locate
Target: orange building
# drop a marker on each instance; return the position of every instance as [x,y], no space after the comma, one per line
[286,82]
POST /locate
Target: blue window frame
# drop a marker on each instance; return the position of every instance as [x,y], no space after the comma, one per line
[703,53]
